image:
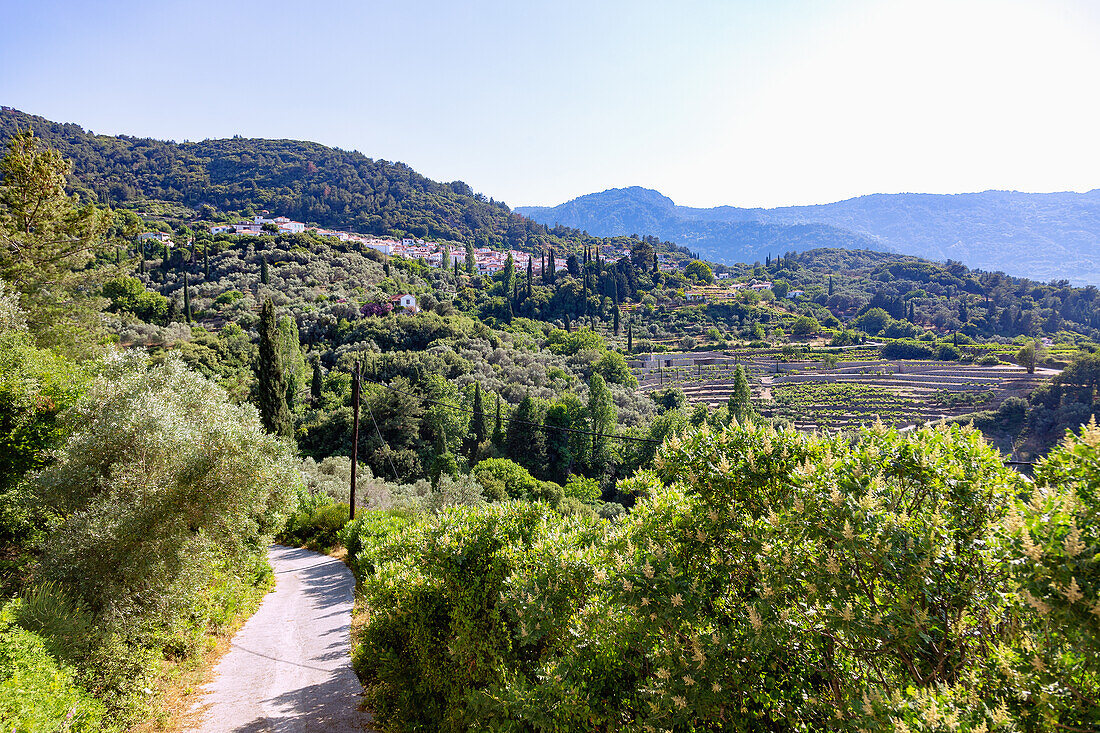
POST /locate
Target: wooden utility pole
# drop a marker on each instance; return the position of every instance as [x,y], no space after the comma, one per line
[354,437]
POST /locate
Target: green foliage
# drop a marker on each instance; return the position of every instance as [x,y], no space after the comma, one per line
[505,479]
[699,272]
[317,528]
[873,321]
[585,489]
[271,384]
[570,343]
[130,295]
[766,580]
[141,547]
[37,693]
[47,239]
[1055,544]
[907,350]
[740,400]
[613,368]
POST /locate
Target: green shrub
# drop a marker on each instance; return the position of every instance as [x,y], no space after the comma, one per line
[317,528]
[503,478]
[37,693]
[766,580]
[907,350]
[166,495]
[367,536]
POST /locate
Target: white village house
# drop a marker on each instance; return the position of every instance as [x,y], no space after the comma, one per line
[406,301]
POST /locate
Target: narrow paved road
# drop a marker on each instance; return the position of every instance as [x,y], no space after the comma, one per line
[288,669]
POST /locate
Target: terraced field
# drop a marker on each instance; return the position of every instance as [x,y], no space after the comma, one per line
[812,394]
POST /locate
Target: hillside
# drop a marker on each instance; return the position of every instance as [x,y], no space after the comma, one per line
[1040,236]
[302,180]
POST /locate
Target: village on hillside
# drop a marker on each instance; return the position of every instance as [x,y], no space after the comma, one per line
[487,261]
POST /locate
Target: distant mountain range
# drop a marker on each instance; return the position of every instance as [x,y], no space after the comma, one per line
[1043,236]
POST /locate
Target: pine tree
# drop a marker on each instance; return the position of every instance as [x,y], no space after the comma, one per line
[265,276]
[271,384]
[186,298]
[740,402]
[316,384]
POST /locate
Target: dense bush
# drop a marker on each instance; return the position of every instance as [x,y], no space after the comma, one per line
[764,581]
[907,350]
[165,497]
[317,528]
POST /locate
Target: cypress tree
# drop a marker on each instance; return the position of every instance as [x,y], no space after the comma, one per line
[271,383]
[206,261]
[830,284]
[740,402]
[471,260]
[530,275]
[167,256]
[265,276]
[630,337]
[509,273]
[616,322]
[316,384]
[456,271]
[141,248]
[186,298]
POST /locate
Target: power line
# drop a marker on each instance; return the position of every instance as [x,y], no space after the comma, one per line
[517,420]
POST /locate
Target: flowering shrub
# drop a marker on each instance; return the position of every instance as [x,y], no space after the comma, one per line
[1055,559]
[765,580]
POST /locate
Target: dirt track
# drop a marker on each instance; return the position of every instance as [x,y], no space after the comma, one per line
[288,669]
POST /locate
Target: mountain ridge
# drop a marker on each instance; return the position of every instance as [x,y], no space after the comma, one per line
[1043,236]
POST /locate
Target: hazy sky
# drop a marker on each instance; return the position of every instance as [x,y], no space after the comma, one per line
[752,103]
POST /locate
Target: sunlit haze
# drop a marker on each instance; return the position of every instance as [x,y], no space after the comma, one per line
[746,103]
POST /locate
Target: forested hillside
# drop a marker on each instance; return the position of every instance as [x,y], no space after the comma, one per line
[301,180]
[1040,236]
